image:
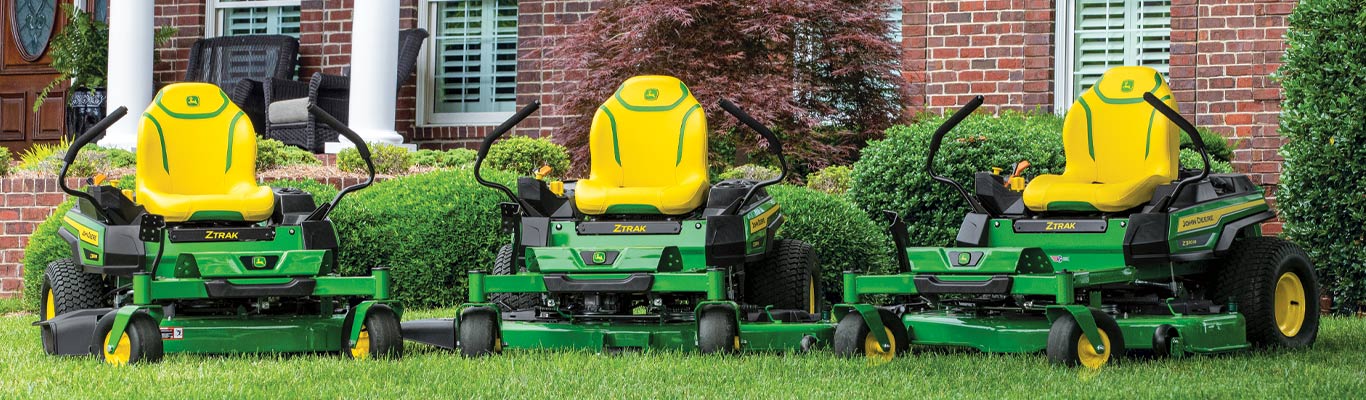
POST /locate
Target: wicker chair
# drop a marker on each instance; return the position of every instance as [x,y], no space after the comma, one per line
[234,62]
[332,93]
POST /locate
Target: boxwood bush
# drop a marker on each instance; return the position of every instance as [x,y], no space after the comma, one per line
[44,247]
[1320,196]
[844,236]
[891,173]
[388,159]
[523,156]
[454,158]
[834,179]
[271,153]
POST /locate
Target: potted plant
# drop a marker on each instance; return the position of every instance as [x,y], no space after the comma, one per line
[80,54]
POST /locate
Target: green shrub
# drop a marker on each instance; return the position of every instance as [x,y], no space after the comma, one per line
[1218,147]
[5,160]
[388,159]
[843,235]
[428,228]
[523,156]
[1190,159]
[834,179]
[1321,120]
[454,158]
[749,171]
[271,153]
[891,173]
[44,247]
[119,158]
[47,158]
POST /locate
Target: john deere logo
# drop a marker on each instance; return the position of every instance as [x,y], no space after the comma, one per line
[599,257]
[1127,86]
[258,262]
[651,94]
[192,101]
[964,258]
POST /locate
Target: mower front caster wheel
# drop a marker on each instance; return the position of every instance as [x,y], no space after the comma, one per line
[1067,345]
[718,331]
[139,343]
[853,338]
[380,337]
[479,333]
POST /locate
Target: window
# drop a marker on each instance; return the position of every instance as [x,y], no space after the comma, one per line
[471,62]
[253,17]
[1094,35]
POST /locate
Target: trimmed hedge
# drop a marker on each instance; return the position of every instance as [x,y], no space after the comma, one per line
[523,156]
[891,173]
[843,236]
[388,159]
[271,153]
[1320,196]
[751,172]
[428,228]
[454,158]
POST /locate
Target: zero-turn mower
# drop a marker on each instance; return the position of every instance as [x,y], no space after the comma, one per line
[645,252]
[1123,251]
[198,258]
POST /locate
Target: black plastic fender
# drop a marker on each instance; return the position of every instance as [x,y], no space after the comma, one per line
[71,334]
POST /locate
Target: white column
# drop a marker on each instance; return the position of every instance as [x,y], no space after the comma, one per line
[374,70]
[130,68]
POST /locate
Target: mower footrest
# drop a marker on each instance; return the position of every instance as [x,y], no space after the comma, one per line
[296,287]
[635,283]
[930,284]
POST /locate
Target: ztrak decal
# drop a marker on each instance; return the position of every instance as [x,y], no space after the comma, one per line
[628,228]
[1210,218]
[1060,226]
[760,222]
[221,234]
[86,234]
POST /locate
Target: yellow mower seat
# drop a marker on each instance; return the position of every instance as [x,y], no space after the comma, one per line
[649,151]
[1118,148]
[197,158]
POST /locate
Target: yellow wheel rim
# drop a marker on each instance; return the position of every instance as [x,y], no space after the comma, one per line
[362,349]
[812,305]
[1087,354]
[736,345]
[873,350]
[1289,305]
[50,307]
[121,355]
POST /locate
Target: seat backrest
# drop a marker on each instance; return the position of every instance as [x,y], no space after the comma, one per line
[193,141]
[1112,135]
[225,60]
[651,133]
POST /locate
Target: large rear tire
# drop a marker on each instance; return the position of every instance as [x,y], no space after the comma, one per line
[502,265]
[1273,283]
[67,288]
[789,278]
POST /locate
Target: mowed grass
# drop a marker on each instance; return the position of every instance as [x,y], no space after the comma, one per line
[1334,368]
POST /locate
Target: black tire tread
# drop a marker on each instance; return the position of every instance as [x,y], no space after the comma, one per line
[478,333]
[783,279]
[1248,275]
[1061,348]
[851,332]
[716,331]
[72,288]
[502,265]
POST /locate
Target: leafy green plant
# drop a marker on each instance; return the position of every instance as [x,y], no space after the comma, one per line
[1218,147]
[271,153]
[1190,159]
[29,159]
[5,160]
[834,179]
[1321,120]
[44,247]
[118,158]
[523,155]
[388,159]
[891,173]
[428,228]
[80,51]
[454,158]
[844,237]
[749,171]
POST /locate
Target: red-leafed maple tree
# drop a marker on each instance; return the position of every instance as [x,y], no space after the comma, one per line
[822,73]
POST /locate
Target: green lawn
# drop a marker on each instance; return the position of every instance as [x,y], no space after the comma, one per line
[1335,368]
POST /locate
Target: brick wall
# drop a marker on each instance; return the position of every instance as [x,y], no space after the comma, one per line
[24,202]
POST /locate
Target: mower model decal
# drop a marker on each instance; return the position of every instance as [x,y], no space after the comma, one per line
[86,234]
[760,222]
[1060,226]
[1210,218]
[221,235]
[628,228]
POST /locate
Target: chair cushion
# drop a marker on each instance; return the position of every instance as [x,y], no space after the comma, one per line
[196,158]
[1057,193]
[648,146]
[288,111]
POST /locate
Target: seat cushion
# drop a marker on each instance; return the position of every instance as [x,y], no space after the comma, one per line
[594,198]
[1057,193]
[288,111]
[241,203]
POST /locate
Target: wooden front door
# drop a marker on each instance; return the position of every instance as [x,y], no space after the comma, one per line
[26,29]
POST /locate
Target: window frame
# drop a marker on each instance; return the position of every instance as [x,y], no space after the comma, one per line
[426,88]
[212,24]
[1064,34]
